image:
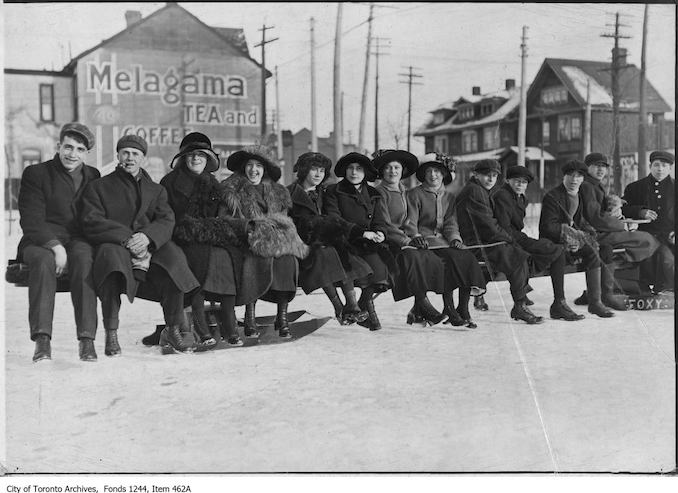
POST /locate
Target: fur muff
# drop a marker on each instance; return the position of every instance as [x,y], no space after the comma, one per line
[274,236]
[241,198]
[216,231]
[317,231]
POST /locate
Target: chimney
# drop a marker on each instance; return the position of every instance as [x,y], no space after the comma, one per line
[510,84]
[475,91]
[132,16]
[621,56]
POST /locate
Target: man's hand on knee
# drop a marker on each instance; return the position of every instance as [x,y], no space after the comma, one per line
[60,259]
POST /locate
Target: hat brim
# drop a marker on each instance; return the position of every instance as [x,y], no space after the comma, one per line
[408,161]
[236,163]
[355,157]
[520,174]
[421,171]
[212,158]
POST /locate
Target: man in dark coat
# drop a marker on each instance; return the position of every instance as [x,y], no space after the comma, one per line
[611,230]
[562,221]
[653,198]
[127,216]
[510,205]
[478,225]
[53,244]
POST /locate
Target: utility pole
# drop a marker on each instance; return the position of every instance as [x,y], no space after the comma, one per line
[363,99]
[587,119]
[642,115]
[314,124]
[338,131]
[263,44]
[410,76]
[278,130]
[522,119]
[378,46]
[616,67]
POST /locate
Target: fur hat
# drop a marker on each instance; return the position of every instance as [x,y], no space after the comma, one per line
[408,161]
[195,141]
[662,156]
[78,129]
[485,165]
[519,172]
[443,162]
[133,141]
[355,157]
[595,158]
[309,160]
[574,165]
[236,161]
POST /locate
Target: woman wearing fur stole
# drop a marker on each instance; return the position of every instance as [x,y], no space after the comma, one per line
[419,270]
[330,263]
[193,194]
[252,192]
[355,201]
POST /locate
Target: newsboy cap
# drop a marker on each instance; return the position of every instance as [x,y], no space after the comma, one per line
[595,158]
[133,141]
[485,165]
[78,129]
[519,172]
[662,156]
[574,165]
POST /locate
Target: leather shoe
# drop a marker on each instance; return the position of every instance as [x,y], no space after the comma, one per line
[615,302]
[520,311]
[479,303]
[560,311]
[582,300]
[112,347]
[600,310]
[43,348]
[171,340]
[87,352]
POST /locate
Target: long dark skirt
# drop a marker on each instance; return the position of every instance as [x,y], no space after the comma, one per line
[380,277]
[284,279]
[323,267]
[419,271]
[213,267]
[461,270]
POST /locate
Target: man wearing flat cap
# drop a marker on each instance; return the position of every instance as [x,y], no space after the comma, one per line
[53,243]
[510,205]
[611,230]
[478,225]
[128,218]
[653,198]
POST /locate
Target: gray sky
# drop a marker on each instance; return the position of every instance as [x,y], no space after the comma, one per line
[454,46]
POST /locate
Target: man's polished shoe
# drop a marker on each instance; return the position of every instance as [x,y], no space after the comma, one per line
[520,311]
[597,308]
[560,311]
[43,348]
[87,352]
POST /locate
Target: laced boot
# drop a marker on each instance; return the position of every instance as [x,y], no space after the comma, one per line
[593,294]
[607,295]
[280,323]
[479,303]
[462,307]
[428,312]
[251,329]
[413,316]
[367,303]
[449,310]
[352,312]
[520,311]
[560,311]
[43,348]
[172,340]
[112,347]
[86,349]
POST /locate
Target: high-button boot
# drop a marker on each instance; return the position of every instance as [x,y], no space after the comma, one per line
[607,295]
[428,312]
[479,303]
[86,349]
[583,299]
[280,323]
[593,294]
[43,348]
[352,312]
[453,317]
[251,329]
[462,307]
[366,303]
[336,303]
[112,347]
[413,316]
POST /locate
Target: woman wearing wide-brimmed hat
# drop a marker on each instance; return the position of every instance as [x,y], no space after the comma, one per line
[357,202]
[193,194]
[431,223]
[419,271]
[330,263]
[252,192]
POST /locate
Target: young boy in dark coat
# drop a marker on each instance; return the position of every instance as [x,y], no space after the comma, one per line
[53,242]
[479,226]
[510,205]
[653,198]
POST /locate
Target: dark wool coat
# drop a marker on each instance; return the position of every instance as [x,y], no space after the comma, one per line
[49,205]
[117,206]
[648,193]
[475,216]
[509,209]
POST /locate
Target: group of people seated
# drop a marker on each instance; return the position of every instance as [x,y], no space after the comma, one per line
[192,239]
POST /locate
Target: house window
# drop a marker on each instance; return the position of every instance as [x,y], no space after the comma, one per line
[466,113]
[545,132]
[554,95]
[469,141]
[490,138]
[46,102]
[440,143]
[438,118]
[569,128]
[486,109]
[575,123]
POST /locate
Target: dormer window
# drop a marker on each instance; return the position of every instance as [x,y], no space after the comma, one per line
[466,113]
[438,118]
[486,109]
[551,96]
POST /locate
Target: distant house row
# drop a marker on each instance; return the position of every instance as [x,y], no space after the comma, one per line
[559,127]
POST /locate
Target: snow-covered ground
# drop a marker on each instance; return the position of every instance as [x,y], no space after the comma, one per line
[595,395]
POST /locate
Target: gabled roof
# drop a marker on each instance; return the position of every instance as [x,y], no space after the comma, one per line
[576,74]
[233,36]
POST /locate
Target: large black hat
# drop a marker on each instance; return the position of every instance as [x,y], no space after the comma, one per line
[443,162]
[307,161]
[519,172]
[236,161]
[408,161]
[195,141]
[355,157]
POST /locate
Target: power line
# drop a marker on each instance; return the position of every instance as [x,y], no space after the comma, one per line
[410,82]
